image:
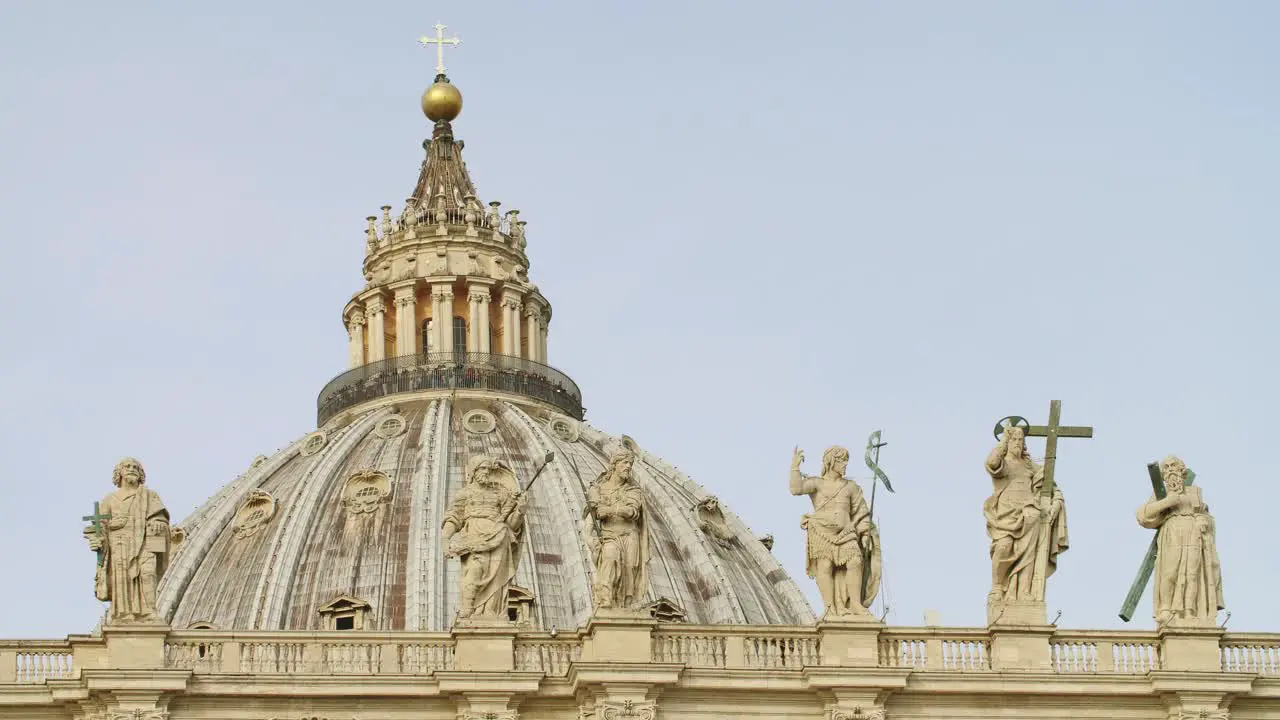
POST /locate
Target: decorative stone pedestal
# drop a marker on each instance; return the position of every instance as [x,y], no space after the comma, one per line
[484,682]
[1019,636]
[1024,647]
[1028,612]
[484,645]
[619,635]
[127,677]
[1193,649]
[135,646]
[616,678]
[851,641]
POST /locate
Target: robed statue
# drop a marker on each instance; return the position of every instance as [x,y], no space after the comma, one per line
[131,534]
[484,526]
[615,525]
[842,551]
[1188,575]
[1027,530]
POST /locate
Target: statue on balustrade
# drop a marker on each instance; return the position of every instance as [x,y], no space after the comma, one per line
[1021,524]
[1188,574]
[130,532]
[843,547]
[484,526]
[617,533]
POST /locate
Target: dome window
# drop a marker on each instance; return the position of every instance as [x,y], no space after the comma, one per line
[345,613]
[666,610]
[390,427]
[479,422]
[254,514]
[563,428]
[314,443]
[519,605]
[366,491]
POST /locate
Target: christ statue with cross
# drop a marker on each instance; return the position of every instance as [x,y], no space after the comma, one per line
[1026,518]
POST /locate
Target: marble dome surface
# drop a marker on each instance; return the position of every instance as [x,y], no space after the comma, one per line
[354,510]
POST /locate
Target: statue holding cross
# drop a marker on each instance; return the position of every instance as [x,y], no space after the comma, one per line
[1026,518]
[131,535]
[1184,553]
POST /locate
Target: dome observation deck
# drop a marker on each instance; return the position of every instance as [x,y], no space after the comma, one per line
[467,371]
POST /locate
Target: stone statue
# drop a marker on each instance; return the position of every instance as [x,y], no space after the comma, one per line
[711,520]
[131,534]
[618,536]
[484,526]
[843,547]
[1021,523]
[1188,575]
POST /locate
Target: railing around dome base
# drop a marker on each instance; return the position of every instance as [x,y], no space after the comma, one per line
[446,371]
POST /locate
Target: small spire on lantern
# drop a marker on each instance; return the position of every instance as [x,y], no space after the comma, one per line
[442,101]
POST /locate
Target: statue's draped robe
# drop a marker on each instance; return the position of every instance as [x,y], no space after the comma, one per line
[1188,576]
[839,517]
[1018,485]
[620,546]
[134,558]
[488,537]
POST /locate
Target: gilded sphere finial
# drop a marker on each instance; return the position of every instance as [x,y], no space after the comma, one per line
[441,101]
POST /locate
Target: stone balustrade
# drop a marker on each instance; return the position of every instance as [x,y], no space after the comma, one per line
[1251,653]
[35,661]
[320,653]
[1125,652]
[951,650]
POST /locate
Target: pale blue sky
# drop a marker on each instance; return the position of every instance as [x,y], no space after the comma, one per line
[760,225]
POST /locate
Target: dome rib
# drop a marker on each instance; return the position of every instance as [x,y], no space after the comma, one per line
[295,526]
[421,572]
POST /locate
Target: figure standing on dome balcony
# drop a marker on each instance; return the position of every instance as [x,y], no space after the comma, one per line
[843,548]
[617,534]
[484,526]
[130,532]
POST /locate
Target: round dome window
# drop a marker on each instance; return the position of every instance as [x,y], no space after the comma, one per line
[563,428]
[314,443]
[390,427]
[479,422]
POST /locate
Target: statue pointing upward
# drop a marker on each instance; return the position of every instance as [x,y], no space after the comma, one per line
[842,539]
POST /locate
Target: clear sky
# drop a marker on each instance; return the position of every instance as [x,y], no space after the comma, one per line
[761,225]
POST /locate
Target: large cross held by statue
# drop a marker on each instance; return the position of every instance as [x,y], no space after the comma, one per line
[1149,561]
[1050,433]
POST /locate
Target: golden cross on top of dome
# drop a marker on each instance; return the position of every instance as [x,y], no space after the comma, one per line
[439,41]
